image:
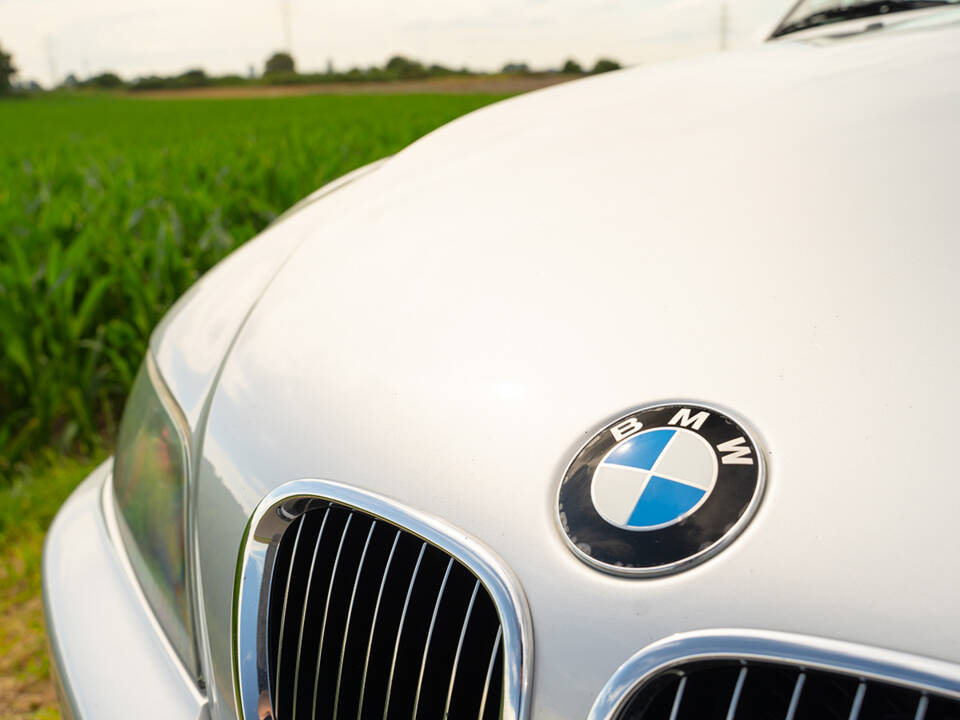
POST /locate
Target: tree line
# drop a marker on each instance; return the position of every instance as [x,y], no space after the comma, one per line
[280,69]
[7,72]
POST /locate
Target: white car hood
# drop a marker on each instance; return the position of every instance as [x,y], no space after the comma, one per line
[774,232]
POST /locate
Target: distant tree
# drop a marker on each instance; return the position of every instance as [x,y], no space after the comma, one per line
[7,71]
[227,80]
[105,81]
[70,81]
[279,62]
[397,63]
[436,70]
[604,65]
[150,82]
[192,78]
[572,67]
[515,68]
[400,67]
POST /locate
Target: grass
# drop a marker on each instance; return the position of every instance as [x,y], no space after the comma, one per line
[26,508]
[111,207]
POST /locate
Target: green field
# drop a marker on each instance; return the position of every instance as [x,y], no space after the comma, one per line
[110,207]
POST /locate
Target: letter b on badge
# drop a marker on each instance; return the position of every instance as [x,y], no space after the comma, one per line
[626,428]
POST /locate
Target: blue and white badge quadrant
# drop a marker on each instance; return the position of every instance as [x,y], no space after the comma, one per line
[654,478]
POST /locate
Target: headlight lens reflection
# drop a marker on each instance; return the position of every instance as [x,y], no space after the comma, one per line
[150,486]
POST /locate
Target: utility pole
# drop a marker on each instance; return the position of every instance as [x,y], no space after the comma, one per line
[724,25]
[287,35]
[51,62]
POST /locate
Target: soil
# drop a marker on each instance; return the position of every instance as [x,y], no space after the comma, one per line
[26,689]
[493,84]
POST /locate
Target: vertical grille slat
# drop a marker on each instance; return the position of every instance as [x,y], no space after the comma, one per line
[456,659]
[346,630]
[426,645]
[303,614]
[286,598]
[400,629]
[858,701]
[373,623]
[678,698]
[795,698]
[489,677]
[737,690]
[326,615]
[748,689]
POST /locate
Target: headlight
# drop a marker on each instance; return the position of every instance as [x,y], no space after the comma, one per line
[150,485]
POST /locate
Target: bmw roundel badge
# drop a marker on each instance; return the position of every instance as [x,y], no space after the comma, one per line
[660,490]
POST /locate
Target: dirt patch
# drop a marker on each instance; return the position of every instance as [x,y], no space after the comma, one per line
[26,689]
[493,84]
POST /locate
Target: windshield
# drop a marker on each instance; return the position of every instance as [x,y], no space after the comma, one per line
[811,13]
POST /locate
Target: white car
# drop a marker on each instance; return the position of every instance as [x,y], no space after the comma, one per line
[630,399]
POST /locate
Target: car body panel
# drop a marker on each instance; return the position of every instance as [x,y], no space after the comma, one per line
[772,232]
[204,321]
[769,231]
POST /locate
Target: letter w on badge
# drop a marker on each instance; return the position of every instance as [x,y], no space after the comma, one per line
[738,452]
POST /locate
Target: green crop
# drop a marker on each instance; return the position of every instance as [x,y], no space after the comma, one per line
[111,207]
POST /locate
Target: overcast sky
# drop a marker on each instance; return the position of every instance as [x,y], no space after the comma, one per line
[56,37]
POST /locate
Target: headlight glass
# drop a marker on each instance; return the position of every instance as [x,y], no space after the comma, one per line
[150,486]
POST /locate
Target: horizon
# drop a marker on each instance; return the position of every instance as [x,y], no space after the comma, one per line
[50,39]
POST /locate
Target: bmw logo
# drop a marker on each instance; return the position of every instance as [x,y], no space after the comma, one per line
[660,490]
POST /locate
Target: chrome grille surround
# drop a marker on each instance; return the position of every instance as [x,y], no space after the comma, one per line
[283,506]
[921,674]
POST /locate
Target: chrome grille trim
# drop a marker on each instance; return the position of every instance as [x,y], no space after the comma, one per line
[804,652]
[283,506]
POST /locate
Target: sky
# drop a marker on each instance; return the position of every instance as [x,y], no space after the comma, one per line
[51,38]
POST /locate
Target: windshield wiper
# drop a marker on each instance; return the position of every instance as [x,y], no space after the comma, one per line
[852,12]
